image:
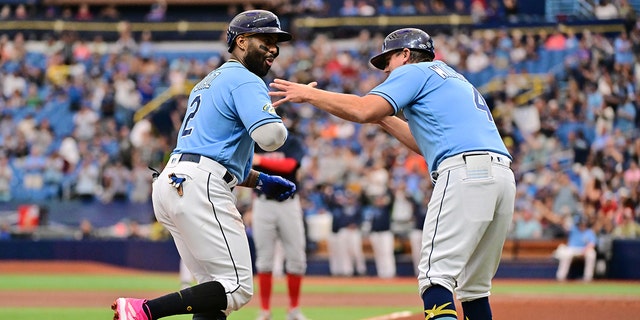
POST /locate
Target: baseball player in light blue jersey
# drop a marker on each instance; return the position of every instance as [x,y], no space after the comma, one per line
[227,112]
[450,124]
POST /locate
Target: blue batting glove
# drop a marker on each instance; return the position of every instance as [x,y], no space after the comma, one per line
[175,181]
[275,187]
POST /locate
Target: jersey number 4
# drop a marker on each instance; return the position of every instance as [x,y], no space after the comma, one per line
[195,105]
[481,104]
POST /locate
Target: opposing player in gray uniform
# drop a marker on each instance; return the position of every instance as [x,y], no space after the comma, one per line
[228,111]
[450,124]
[282,221]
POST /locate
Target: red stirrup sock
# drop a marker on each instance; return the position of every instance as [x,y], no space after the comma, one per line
[294,282]
[265,281]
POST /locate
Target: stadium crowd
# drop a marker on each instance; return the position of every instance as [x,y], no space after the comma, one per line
[67,129]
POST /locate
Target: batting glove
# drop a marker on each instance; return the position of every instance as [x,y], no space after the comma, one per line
[275,187]
[176,182]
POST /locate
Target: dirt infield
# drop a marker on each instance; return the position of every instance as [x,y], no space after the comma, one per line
[522,307]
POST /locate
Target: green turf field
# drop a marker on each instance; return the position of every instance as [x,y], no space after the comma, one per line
[168,283]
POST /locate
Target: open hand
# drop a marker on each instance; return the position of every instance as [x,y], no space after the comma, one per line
[290,91]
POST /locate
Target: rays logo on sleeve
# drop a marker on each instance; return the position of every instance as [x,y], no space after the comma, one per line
[269,108]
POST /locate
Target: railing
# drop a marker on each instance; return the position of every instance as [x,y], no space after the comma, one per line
[565,9]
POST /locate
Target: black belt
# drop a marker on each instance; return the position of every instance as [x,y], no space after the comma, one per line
[192,157]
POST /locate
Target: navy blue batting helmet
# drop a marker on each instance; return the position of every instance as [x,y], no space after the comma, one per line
[255,21]
[410,38]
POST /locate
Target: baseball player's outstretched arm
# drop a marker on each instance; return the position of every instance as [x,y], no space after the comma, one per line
[367,109]
[399,129]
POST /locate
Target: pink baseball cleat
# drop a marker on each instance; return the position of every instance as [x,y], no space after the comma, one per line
[129,309]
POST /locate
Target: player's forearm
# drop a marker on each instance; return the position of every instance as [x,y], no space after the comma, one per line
[252,179]
[400,130]
[346,106]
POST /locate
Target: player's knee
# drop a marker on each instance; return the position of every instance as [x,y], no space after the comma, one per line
[238,294]
[264,266]
[239,298]
[296,267]
[448,283]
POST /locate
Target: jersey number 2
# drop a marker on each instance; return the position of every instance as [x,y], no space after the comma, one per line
[481,104]
[186,129]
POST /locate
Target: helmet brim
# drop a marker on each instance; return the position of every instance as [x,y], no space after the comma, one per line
[380,61]
[283,36]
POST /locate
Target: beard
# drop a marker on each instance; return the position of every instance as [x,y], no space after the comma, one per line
[255,61]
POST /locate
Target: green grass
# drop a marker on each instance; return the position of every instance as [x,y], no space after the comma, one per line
[169,283]
[339,313]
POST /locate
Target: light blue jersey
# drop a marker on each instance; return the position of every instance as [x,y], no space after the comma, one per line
[456,119]
[223,110]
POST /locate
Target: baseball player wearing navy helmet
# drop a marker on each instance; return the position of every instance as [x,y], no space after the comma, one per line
[228,112]
[450,124]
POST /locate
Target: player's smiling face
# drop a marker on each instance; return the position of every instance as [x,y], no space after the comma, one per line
[261,52]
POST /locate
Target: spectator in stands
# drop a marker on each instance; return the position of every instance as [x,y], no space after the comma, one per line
[579,145]
[115,182]
[567,195]
[127,98]
[54,174]
[110,13]
[125,43]
[5,231]
[557,41]
[311,7]
[406,8]
[88,175]
[478,11]
[626,116]
[477,60]
[84,13]
[581,243]
[6,178]
[85,121]
[5,12]
[628,13]
[624,55]
[146,48]
[365,8]
[511,11]
[98,46]
[85,230]
[526,224]
[81,51]
[157,11]
[14,81]
[33,167]
[348,8]
[606,10]
[135,231]
[140,181]
[632,175]
[387,8]
[628,228]
[21,12]
[438,7]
